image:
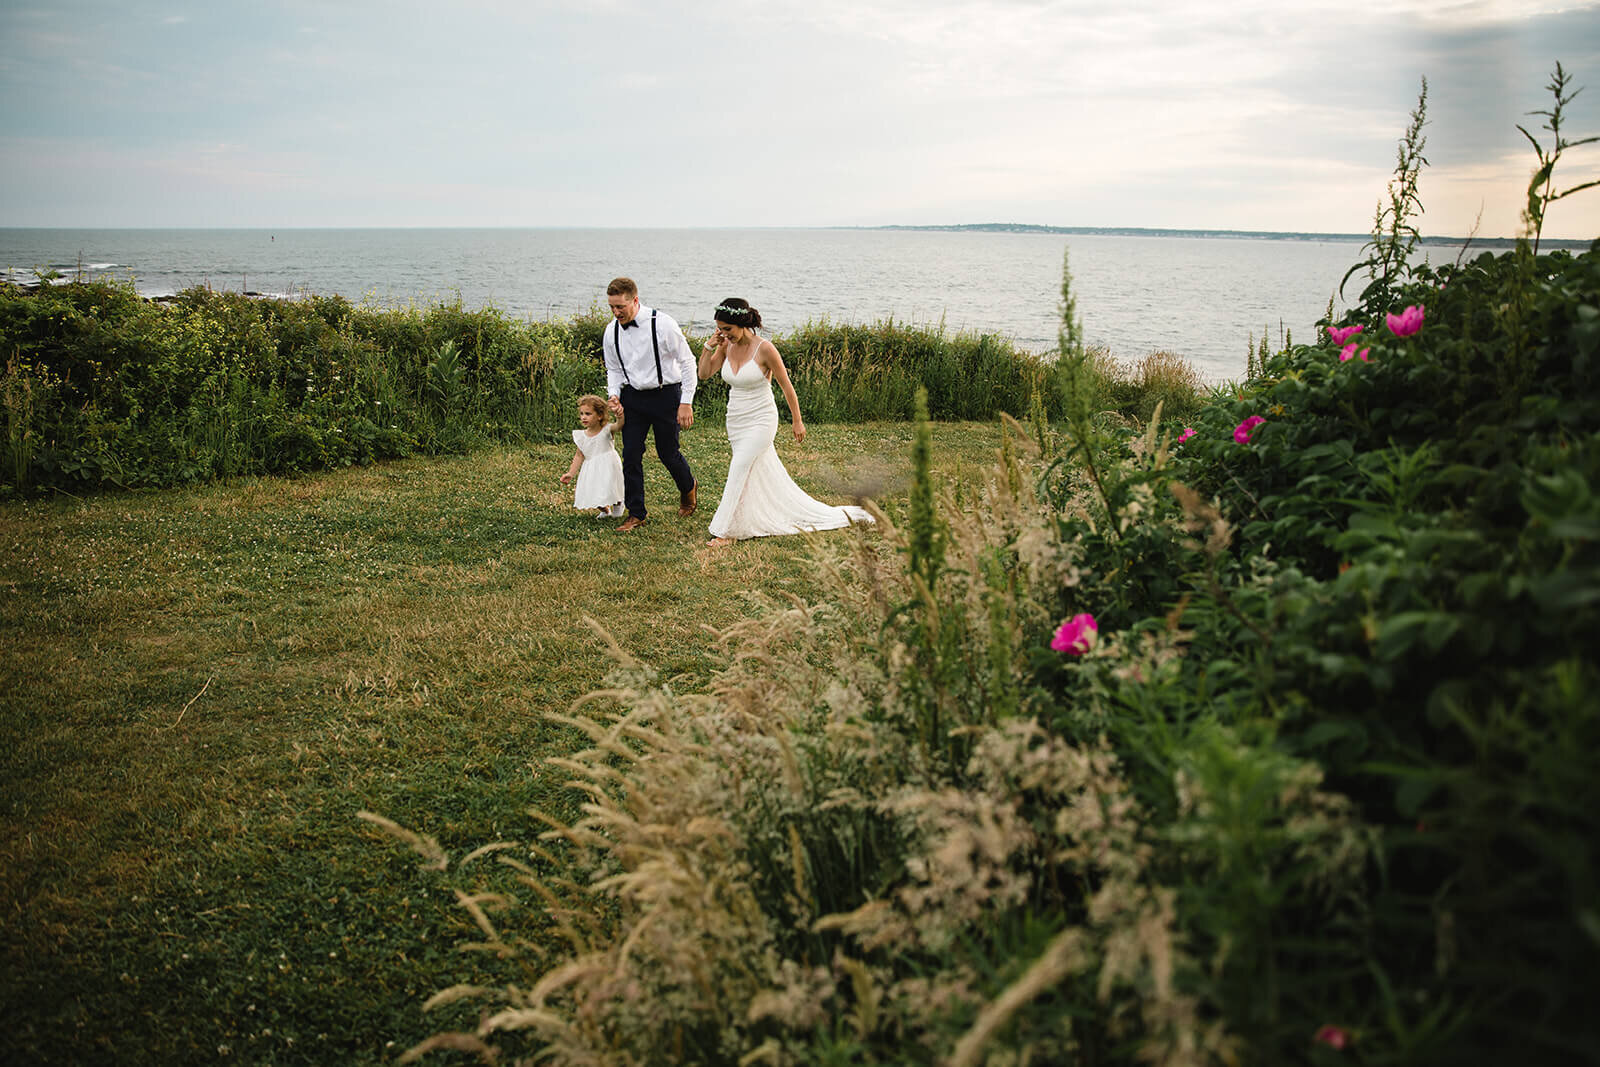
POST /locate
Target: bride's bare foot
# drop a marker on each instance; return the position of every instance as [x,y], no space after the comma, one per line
[719,542]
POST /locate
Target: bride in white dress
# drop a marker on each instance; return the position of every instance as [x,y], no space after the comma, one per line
[759,499]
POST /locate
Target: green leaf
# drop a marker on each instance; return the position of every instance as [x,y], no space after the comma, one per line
[1399,634]
[1412,793]
[1335,730]
[1565,591]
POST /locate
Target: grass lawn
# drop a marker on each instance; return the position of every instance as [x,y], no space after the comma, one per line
[200,688]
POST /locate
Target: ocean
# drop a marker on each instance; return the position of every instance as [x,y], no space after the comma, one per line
[1202,297]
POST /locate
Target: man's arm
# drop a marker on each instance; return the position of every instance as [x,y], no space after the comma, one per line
[675,346]
[688,367]
[613,365]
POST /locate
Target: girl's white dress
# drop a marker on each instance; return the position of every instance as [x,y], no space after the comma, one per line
[599,483]
[760,499]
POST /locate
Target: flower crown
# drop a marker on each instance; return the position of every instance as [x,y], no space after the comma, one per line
[726,310]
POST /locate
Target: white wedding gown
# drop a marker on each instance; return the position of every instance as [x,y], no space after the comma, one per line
[760,499]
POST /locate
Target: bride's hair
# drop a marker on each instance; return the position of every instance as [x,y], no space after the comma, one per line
[736,311]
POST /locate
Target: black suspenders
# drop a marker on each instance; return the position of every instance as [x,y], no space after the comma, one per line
[655,343]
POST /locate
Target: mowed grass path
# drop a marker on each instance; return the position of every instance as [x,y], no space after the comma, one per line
[200,688]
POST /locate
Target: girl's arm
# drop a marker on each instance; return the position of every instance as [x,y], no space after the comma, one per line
[780,374]
[712,355]
[572,471]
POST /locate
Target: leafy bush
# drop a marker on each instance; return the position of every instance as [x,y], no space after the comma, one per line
[1431,520]
[217,384]
[103,389]
[853,372]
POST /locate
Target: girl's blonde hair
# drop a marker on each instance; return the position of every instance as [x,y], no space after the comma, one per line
[589,400]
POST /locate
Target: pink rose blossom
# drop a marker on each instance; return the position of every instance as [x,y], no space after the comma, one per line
[1076,636]
[1349,351]
[1343,333]
[1335,1037]
[1407,322]
[1242,432]
[1188,432]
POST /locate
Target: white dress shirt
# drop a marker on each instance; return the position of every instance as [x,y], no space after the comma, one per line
[638,355]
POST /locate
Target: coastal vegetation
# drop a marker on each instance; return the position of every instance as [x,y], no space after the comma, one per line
[1138,729]
[100,389]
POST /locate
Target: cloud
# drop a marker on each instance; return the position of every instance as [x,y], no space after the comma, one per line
[797,112]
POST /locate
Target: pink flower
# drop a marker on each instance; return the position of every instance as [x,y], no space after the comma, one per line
[1349,350]
[1335,1037]
[1188,432]
[1242,432]
[1076,636]
[1407,322]
[1343,333]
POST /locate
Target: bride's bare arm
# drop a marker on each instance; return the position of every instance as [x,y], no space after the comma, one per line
[779,373]
[712,355]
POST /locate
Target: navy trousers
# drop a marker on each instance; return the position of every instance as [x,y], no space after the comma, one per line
[644,410]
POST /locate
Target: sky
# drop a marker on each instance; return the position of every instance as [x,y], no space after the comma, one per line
[1191,114]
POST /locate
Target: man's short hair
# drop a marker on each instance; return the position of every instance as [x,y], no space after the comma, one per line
[622,287]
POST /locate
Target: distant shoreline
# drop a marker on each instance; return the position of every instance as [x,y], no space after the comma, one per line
[1257,235]
[1486,243]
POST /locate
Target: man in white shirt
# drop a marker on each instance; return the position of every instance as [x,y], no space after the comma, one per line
[650,379]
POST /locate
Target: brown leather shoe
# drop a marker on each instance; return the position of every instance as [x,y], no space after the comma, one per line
[687,502]
[632,522]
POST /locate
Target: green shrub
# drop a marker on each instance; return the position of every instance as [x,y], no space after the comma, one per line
[850,373]
[1433,607]
[105,389]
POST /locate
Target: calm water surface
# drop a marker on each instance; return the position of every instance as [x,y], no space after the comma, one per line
[1201,297]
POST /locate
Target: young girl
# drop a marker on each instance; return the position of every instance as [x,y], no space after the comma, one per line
[600,478]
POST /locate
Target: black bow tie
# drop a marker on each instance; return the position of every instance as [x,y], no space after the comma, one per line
[630,325]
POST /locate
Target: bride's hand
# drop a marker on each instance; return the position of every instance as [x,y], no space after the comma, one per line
[799,432]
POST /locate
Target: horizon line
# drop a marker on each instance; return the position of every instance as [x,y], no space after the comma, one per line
[970,227]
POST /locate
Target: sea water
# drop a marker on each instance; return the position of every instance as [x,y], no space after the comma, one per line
[1201,297]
